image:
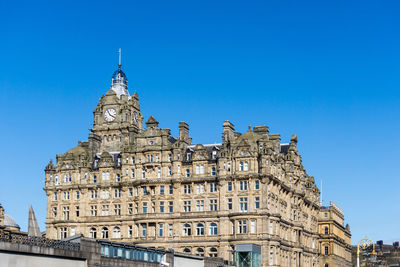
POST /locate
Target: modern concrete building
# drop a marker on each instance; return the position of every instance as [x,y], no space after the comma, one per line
[335,241]
[132,181]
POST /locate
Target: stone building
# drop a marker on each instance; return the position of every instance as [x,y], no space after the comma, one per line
[335,241]
[7,222]
[131,183]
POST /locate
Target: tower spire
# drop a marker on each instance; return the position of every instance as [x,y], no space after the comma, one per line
[119,58]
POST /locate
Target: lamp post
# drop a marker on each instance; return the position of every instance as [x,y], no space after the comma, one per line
[364,244]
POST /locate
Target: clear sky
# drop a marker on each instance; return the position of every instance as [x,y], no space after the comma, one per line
[325,70]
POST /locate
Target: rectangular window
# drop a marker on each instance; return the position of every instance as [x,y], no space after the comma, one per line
[252,226]
[271,228]
[187,188]
[54,212]
[143,173]
[117,209]
[93,210]
[130,231]
[145,193]
[158,172]
[94,179]
[169,157]
[200,188]
[93,194]
[187,173]
[271,256]
[65,213]
[130,192]
[130,208]
[144,230]
[197,169]
[118,178]
[213,205]
[117,193]
[257,184]
[78,194]
[230,204]
[161,229]
[187,207]
[144,209]
[326,250]
[171,189]
[257,202]
[230,187]
[77,211]
[213,187]
[199,205]
[161,206]
[202,169]
[161,190]
[104,210]
[170,230]
[243,185]
[213,171]
[133,160]
[242,227]
[133,173]
[243,204]
[55,196]
[246,166]
[171,206]
[169,171]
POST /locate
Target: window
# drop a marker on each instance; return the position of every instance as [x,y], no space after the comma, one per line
[65,213]
[105,194]
[130,208]
[130,192]
[160,229]
[252,226]
[116,232]
[187,173]
[170,230]
[200,252]
[271,228]
[56,180]
[126,172]
[93,194]
[325,215]
[133,173]
[161,206]
[257,184]
[242,227]
[77,211]
[202,169]
[63,232]
[54,212]
[197,169]
[143,173]
[158,172]
[186,250]
[55,196]
[199,205]
[78,194]
[230,204]
[271,256]
[229,186]
[187,207]
[118,179]
[326,250]
[243,204]
[171,189]
[243,185]
[93,232]
[189,156]
[169,171]
[133,160]
[103,175]
[257,202]
[104,232]
[171,206]
[145,193]
[186,230]
[66,195]
[144,230]
[213,187]
[213,204]
[130,231]
[93,210]
[200,188]
[117,193]
[104,210]
[127,160]
[200,229]
[187,189]
[241,166]
[117,209]
[94,179]
[179,169]
[326,230]
[169,157]
[144,207]
[246,166]
[213,229]
[161,190]
[213,171]
[108,176]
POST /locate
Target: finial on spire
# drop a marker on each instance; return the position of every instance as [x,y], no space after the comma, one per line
[119,58]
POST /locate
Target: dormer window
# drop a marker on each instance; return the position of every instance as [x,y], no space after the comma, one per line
[189,156]
[214,154]
[241,166]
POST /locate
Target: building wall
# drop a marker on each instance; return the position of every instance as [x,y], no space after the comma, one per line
[18,260]
[132,185]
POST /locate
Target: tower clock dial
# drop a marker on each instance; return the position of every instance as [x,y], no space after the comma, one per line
[110,114]
[135,117]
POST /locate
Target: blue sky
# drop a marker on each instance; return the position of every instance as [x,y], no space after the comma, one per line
[325,70]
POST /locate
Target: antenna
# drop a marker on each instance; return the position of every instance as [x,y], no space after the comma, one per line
[119,57]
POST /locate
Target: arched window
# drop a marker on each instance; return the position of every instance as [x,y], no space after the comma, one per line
[104,232]
[93,233]
[116,232]
[200,229]
[213,252]
[213,229]
[187,229]
[187,250]
[326,265]
[200,252]
[326,230]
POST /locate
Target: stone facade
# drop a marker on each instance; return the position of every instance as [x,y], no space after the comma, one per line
[142,185]
[1,215]
[335,241]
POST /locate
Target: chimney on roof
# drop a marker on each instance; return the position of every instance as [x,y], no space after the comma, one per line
[262,130]
[183,130]
[229,131]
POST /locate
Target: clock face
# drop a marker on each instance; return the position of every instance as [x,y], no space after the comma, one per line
[135,117]
[110,114]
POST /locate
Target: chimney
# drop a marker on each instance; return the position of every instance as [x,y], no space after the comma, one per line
[229,131]
[262,130]
[183,130]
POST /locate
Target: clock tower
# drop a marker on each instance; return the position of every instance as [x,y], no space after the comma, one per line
[117,117]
